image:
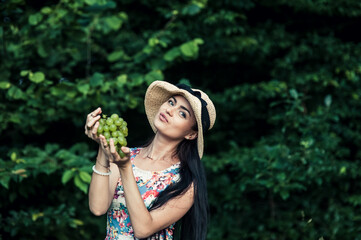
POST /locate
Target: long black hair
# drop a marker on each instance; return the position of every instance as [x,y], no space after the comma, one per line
[193,224]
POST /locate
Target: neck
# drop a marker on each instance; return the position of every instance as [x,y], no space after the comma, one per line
[161,147]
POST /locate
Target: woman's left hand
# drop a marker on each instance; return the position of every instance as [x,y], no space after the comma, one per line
[112,154]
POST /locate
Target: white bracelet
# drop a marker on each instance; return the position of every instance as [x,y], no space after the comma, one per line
[101,173]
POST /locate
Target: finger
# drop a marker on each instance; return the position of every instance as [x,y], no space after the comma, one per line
[95,128]
[92,121]
[95,112]
[113,151]
[126,151]
[103,143]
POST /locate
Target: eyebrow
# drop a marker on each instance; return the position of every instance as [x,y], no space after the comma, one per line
[175,100]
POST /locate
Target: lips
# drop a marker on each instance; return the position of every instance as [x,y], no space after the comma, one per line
[163,117]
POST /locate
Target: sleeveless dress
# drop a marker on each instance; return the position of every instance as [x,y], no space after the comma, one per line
[150,184]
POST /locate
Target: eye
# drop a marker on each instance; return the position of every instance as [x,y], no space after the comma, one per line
[170,102]
[183,114]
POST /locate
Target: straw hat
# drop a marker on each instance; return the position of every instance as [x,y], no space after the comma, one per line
[205,113]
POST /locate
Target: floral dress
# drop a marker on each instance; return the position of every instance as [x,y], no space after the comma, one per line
[150,184]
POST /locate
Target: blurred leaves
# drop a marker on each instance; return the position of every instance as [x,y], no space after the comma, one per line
[282,160]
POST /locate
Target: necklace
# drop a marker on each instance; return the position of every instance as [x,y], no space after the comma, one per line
[151,158]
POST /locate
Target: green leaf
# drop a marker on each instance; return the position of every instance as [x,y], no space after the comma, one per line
[198,41]
[97,79]
[281,176]
[16,93]
[67,175]
[13,156]
[80,184]
[121,80]
[35,18]
[189,49]
[191,9]
[83,88]
[114,22]
[90,2]
[41,50]
[284,194]
[293,93]
[153,41]
[23,73]
[46,10]
[4,181]
[328,100]
[172,54]
[114,56]
[343,170]
[85,176]
[5,85]
[37,77]
[136,79]
[153,76]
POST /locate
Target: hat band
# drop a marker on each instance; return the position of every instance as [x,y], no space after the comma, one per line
[204,112]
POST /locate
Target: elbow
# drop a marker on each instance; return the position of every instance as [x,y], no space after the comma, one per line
[97,212]
[142,233]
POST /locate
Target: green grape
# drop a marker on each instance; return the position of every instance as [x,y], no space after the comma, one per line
[118,122]
[106,135]
[109,121]
[125,131]
[122,141]
[100,128]
[112,127]
[115,134]
[121,154]
[120,134]
[114,116]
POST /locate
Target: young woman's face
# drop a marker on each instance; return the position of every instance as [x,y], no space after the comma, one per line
[175,118]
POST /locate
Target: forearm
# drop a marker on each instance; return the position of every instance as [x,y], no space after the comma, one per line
[140,217]
[99,187]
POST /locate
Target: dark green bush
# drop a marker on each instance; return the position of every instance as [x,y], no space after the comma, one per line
[283,159]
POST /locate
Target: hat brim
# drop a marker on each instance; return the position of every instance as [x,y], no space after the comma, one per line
[159,92]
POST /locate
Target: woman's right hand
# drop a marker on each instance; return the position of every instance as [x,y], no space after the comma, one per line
[92,124]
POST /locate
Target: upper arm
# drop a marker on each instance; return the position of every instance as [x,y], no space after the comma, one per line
[172,211]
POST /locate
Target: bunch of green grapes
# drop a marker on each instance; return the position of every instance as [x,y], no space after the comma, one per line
[114,127]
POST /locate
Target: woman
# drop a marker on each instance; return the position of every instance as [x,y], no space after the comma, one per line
[145,193]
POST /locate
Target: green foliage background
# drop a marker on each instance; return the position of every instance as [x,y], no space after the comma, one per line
[283,160]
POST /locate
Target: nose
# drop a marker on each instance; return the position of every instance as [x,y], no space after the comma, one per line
[169,111]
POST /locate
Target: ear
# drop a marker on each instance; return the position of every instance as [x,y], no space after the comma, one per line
[192,135]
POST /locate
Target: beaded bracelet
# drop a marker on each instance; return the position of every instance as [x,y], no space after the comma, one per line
[101,173]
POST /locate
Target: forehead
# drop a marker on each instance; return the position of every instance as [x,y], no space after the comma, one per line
[183,101]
